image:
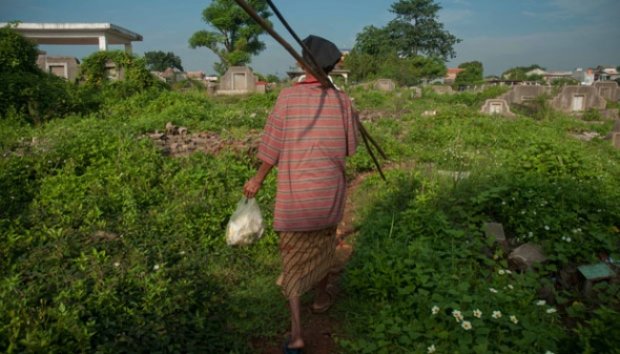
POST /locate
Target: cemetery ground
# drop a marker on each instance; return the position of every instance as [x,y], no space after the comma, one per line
[113,238]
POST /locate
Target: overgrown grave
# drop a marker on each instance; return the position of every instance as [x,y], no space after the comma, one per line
[178,141]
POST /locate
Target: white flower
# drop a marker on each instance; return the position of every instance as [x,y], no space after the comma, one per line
[530,234]
[552,310]
[435,310]
[503,202]
[117,264]
[182,253]
[522,212]
[514,319]
[546,227]
[541,302]
[496,314]
[508,271]
[510,287]
[549,352]
[477,313]
[493,290]
[457,315]
[501,272]
[431,349]
[568,239]
[466,325]
[156,267]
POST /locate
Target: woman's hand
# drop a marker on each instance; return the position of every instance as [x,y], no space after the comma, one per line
[252,187]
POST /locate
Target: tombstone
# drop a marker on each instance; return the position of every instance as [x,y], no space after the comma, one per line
[576,99]
[416,92]
[496,106]
[615,140]
[238,80]
[65,67]
[442,89]
[593,273]
[385,85]
[496,231]
[608,89]
[524,94]
[525,256]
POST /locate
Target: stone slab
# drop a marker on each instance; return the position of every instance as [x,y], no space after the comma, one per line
[595,272]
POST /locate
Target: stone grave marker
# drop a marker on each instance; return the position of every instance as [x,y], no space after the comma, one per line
[496,230]
[526,255]
[593,273]
[497,106]
[385,85]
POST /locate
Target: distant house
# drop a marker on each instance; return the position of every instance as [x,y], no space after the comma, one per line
[537,71]
[451,75]
[195,75]
[585,77]
[608,74]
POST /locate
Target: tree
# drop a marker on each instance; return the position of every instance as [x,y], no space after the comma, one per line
[160,61]
[236,35]
[415,30]
[471,75]
[414,42]
[520,73]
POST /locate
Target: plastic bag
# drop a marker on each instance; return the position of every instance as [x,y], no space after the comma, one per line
[246,223]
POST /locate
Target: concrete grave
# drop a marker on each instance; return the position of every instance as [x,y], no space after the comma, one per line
[608,90]
[416,92]
[385,85]
[496,230]
[575,99]
[66,67]
[496,106]
[524,94]
[237,80]
[594,273]
[442,89]
[526,256]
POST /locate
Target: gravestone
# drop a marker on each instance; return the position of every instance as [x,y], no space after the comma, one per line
[593,273]
[416,92]
[238,80]
[442,89]
[525,256]
[385,85]
[574,99]
[496,231]
[496,106]
[524,94]
[608,89]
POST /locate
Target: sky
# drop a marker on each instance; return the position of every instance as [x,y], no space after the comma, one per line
[556,34]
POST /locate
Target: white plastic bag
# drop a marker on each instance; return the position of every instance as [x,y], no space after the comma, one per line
[246,223]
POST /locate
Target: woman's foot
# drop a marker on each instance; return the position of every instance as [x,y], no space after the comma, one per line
[293,346]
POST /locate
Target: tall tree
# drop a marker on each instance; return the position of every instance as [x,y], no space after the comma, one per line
[160,61]
[416,30]
[471,74]
[235,37]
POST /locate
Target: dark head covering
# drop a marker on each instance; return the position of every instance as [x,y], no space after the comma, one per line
[324,52]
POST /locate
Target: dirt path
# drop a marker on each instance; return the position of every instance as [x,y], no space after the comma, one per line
[319,329]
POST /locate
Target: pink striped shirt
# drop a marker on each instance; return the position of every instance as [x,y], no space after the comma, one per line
[306,136]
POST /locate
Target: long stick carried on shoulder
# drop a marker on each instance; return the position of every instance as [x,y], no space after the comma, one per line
[313,68]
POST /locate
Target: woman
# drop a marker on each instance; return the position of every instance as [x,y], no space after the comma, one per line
[308,135]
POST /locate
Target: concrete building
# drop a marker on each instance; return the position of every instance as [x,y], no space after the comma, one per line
[101,34]
[585,77]
[65,67]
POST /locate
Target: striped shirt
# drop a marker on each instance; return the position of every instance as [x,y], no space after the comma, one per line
[308,135]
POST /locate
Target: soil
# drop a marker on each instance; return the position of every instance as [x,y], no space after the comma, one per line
[319,330]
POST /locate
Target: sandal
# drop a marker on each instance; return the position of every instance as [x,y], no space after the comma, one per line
[331,299]
[288,350]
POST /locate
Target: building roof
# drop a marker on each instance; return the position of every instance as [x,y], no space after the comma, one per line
[75,33]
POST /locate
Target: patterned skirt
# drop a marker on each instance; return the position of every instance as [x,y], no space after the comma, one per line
[307,257]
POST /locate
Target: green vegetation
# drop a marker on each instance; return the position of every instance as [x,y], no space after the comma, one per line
[160,61]
[471,74]
[411,47]
[235,38]
[521,73]
[109,245]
